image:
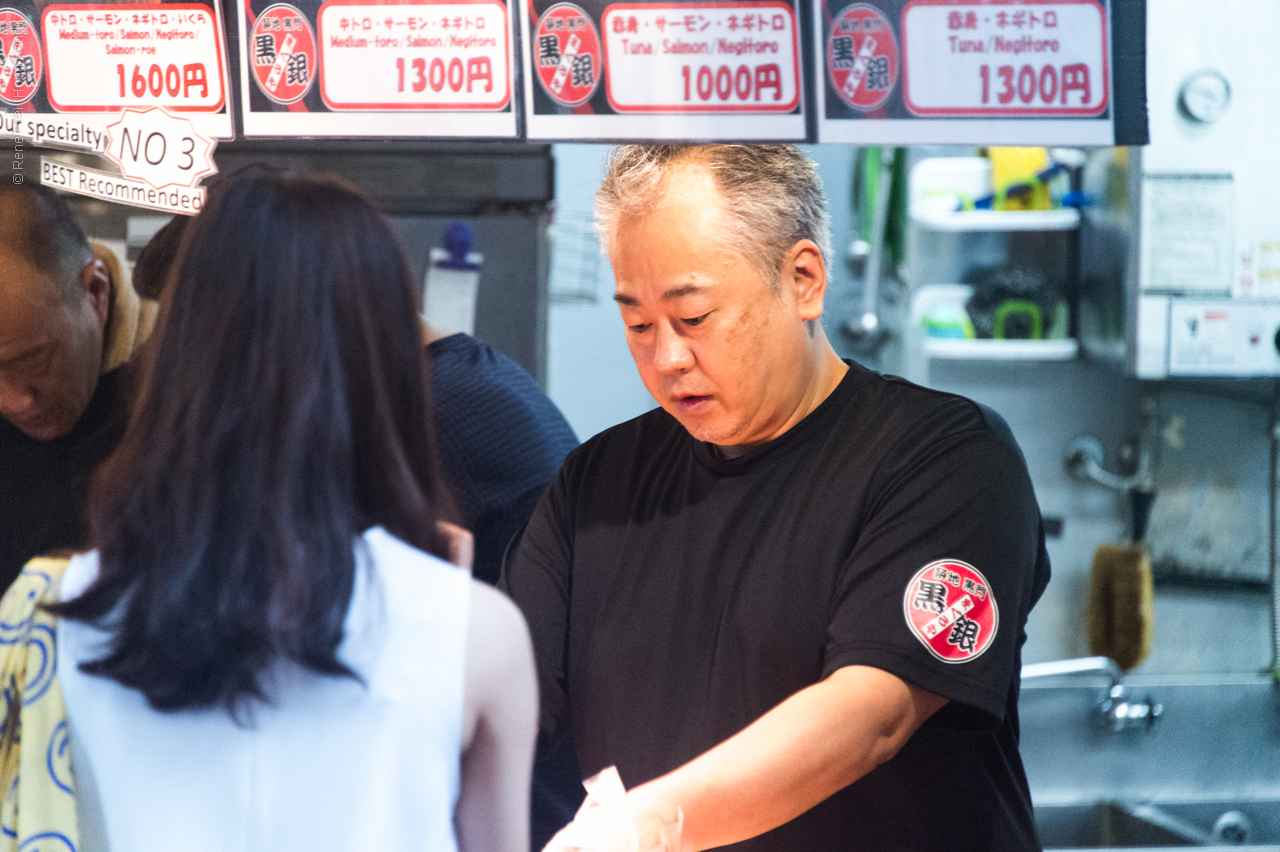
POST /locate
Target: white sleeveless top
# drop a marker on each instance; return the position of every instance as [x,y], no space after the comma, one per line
[331,764]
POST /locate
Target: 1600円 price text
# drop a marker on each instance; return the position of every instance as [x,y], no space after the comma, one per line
[159,81]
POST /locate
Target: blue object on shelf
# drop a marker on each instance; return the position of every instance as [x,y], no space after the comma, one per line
[1074,198]
[458,241]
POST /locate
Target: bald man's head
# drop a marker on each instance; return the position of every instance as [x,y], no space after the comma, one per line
[36,224]
[54,300]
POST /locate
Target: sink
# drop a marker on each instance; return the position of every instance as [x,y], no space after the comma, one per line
[1214,750]
[1216,824]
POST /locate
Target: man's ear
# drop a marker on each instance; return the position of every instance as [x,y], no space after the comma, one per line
[807,271]
[95,282]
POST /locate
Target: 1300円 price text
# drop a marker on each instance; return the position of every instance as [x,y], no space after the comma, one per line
[1027,84]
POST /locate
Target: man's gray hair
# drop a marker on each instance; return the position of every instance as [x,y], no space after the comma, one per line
[772,195]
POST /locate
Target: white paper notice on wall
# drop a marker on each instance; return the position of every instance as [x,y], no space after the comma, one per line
[450,300]
[1188,234]
[452,282]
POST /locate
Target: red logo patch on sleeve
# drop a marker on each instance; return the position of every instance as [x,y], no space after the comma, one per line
[949,606]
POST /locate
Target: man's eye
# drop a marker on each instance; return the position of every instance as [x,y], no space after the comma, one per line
[31,362]
[695,320]
[638,329]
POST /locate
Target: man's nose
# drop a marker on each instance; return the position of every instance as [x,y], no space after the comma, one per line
[671,351]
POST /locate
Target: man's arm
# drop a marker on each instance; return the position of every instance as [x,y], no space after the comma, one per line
[815,743]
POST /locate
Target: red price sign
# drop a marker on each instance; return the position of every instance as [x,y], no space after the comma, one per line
[1005,57]
[567,55]
[414,56]
[862,56]
[21,60]
[702,57]
[282,50]
[111,56]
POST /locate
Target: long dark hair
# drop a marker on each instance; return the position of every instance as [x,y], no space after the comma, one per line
[283,410]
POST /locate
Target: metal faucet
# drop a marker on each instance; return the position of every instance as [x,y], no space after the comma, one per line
[1116,710]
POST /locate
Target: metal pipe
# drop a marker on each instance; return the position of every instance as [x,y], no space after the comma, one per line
[1273,520]
[880,215]
[866,330]
[1085,467]
[1078,666]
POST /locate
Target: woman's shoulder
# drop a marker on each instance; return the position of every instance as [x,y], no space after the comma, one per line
[417,587]
[400,561]
[403,568]
[496,617]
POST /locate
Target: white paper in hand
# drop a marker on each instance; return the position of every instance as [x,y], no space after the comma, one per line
[604,823]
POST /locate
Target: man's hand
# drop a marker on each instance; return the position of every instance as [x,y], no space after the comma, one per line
[604,823]
[815,743]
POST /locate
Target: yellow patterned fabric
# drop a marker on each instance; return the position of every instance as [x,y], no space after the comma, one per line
[38,811]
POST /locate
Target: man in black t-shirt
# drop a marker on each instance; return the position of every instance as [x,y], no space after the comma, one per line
[66,327]
[789,605]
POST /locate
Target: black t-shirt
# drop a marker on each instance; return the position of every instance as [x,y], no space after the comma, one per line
[501,441]
[675,596]
[44,485]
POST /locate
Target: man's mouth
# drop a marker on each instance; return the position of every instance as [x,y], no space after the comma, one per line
[692,402]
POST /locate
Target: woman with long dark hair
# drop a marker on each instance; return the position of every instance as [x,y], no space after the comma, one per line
[267,649]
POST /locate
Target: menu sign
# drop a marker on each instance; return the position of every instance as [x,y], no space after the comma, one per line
[70,69]
[938,71]
[664,70]
[169,58]
[161,156]
[1041,61]
[728,63]
[407,69]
